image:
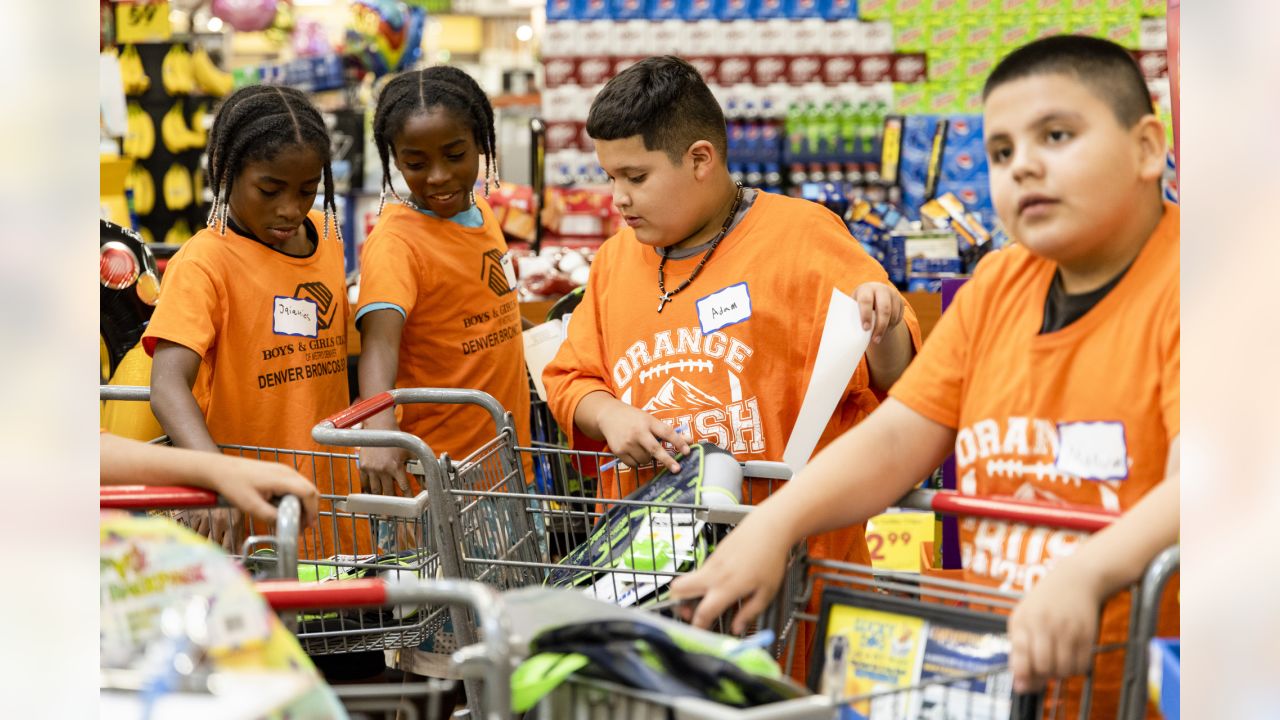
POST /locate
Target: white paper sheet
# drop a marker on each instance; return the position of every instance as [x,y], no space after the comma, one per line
[540,346]
[839,352]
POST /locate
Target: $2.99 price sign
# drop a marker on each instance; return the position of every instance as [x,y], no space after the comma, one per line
[894,539]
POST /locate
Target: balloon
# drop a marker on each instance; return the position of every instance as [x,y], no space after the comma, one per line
[310,39]
[384,35]
[245,15]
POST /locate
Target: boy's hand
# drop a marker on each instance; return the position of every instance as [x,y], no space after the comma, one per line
[748,564]
[382,470]
[881,307]
[636,437]
[1053,628]
[251,484]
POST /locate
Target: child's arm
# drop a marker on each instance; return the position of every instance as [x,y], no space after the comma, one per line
[1054,627]
[859,475]
[632,434]
[891,349]
[381,468]
[247,484]
[173,374]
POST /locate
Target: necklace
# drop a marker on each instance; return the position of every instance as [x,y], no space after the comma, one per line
[665,297]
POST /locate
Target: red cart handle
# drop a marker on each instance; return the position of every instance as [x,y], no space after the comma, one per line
[1068,517]
[361,411]
[154,497]
[294,595]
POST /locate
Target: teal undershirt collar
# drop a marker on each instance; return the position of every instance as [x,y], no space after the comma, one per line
[469,218]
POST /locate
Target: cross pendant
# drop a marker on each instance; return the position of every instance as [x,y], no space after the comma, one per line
[663,299]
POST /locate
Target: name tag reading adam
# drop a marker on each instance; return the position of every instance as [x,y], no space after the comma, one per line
[295,316]
[723,308]
[1093,450]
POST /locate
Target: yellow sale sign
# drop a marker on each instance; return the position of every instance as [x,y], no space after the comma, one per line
[894,539]
[143,22]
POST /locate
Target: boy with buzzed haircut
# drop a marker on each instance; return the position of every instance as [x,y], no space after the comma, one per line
[1054,376]
[656,352]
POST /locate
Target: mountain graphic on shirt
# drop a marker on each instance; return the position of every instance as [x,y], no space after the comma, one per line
[678,397]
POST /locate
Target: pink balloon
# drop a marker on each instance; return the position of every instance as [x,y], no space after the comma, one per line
[245,15]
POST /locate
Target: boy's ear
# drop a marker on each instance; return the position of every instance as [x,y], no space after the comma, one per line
[1149,134]
[704,157]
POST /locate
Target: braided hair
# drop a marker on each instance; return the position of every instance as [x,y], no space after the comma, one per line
[441,86]
[255,123]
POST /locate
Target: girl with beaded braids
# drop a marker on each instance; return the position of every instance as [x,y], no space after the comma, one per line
[249,336]
[437,305]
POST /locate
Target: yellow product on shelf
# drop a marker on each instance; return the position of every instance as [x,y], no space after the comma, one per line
[113,174]
[140,133]
[209,77]
[174,132]
[147,237]
[132,73]
[198,135]
[129,419]
[179,233]
[177,72]
[144,190]
[177,188]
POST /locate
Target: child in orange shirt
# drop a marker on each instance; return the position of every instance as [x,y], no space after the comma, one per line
[437,302]
[1053,377]
[249,335]
[649,358]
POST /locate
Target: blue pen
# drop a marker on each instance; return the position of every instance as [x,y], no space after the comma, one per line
[762,639]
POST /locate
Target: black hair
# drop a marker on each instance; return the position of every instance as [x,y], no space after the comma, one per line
[440,86]
[256,123]
[1105,67]
[665,101]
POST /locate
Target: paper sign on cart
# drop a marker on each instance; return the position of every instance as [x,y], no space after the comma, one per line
[540,346]
[839,352]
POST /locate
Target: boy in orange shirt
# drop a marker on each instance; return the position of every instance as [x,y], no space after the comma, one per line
[1053,377]
[650,358]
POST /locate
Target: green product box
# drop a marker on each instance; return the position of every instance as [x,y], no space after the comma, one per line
[978,32]
[1079,6]
[875,9]
[1049,24]
[1012,8]
[1086,24]
[946,33]
[1012,32]
[1153,8]
[981,8]
[946,99]
[911,98]
[977,63]
[946,66]
[1121,6]
[1122,28]
[912,34]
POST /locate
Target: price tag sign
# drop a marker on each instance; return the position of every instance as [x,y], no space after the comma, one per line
[894,539]
[143,22]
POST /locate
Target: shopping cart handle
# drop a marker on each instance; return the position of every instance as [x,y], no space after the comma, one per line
[1068,517]
[361,411]
[154,497]
[294,595]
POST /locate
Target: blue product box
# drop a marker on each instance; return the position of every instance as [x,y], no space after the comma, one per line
[840,10]
[799,9]
[700,9]
[663,10]
[594,9]
[924,284]
[964,129]
[1165,676]
[966,164]
[769,9]
[975,194]
[561,10]
[629,9]
[737,10]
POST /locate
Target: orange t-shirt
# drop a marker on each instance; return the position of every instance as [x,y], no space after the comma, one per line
[739,386]
[1084,415]
[271,332]
[462,321]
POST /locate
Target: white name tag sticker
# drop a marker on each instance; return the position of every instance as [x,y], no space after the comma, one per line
[1093,450]
[295,316]
[723,308]
[509,269]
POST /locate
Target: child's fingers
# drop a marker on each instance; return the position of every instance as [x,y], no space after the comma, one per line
[660,455]
[884,311]
[666,433]
[866,308]
[754,605]
[712,606]
[1019,660]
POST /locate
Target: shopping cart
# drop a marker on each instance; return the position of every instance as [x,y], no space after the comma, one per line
[356,536]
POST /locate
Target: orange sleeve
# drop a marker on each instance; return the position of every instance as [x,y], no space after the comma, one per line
[578,369]
[1171,357]
[189,306]
[389,272]
[933,384]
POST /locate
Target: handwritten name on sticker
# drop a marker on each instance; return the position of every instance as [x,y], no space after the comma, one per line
[723,308]
[295,316]
[1093,450]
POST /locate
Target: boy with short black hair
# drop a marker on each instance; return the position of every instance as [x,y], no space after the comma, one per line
[1053,377]
[657,351]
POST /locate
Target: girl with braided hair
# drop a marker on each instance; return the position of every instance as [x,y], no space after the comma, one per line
[249,336]
[437,304]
